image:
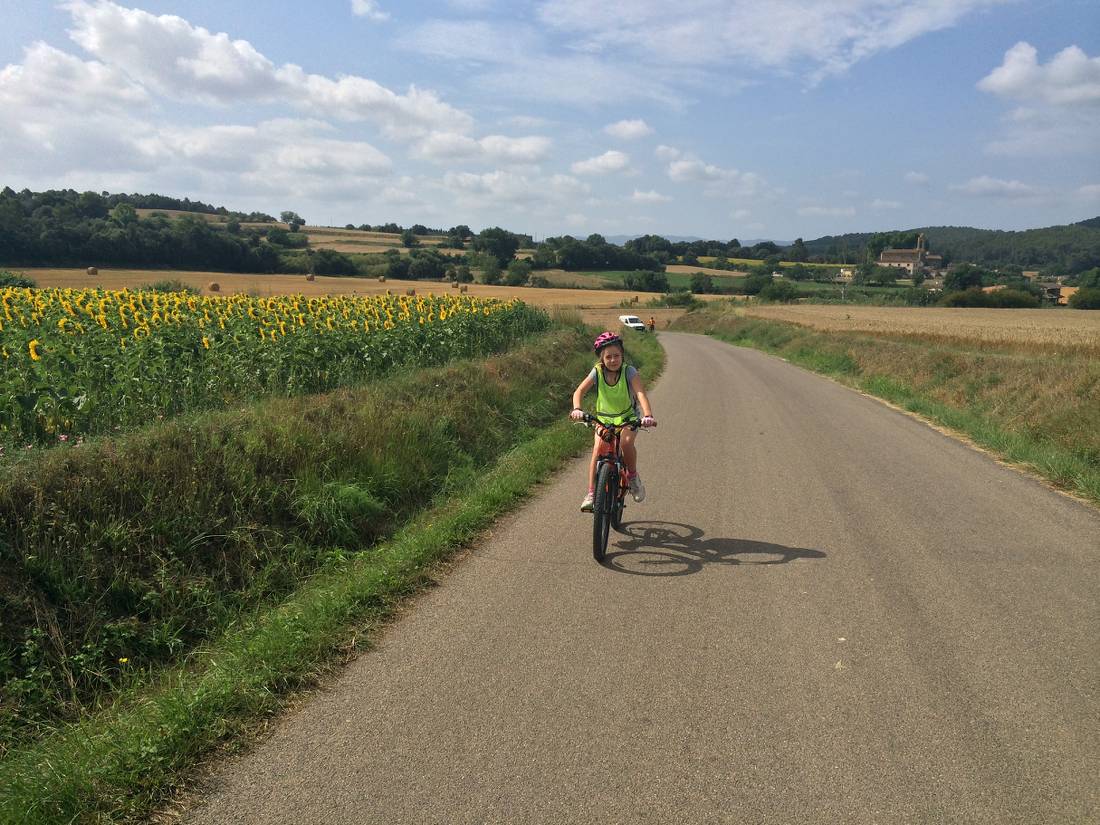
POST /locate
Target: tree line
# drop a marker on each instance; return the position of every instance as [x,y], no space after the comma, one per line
[1054,250]
[64,227]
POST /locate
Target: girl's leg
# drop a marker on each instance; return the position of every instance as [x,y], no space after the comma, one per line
[630,452]
[592,464]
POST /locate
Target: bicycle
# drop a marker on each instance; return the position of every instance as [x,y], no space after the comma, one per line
[611,483]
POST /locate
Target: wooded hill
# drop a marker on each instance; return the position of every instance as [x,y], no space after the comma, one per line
[1056,250]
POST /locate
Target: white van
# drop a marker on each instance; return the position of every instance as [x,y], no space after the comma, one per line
[632,322]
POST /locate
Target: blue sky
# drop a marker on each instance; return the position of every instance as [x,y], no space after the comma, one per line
[733,118]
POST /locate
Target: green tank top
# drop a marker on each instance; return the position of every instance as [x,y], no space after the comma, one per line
[615,405]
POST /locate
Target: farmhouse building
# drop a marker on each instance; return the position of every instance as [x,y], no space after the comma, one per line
[911,260]
[1057,293]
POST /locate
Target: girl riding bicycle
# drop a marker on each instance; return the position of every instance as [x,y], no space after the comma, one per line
[619,395]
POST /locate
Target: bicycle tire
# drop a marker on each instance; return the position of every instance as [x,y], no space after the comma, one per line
[602,505]
[617,510]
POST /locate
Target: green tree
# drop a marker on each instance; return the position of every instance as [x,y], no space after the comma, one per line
[409,239]
[798,252]
[701,283]
[1085,298]
[289,217]
[965,276]
[498,243]
[487,266]
[518,273]
[780,291]
[124,214]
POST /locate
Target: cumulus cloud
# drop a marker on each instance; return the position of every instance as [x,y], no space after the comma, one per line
[651,196]
[368,9]
[1060,111]
[717,181]
[610,161]
[667,152]
[989,187]
[51,78]
[918,178]
[1090,191]
[879,203]
[181,61]
[629,129]
[449,146]
[1071,78]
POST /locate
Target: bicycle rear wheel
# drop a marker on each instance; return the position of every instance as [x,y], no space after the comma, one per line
[607,483]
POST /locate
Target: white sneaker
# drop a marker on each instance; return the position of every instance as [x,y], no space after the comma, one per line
[586,503]
[637,489]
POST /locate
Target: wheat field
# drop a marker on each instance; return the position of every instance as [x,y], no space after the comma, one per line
[1054,329]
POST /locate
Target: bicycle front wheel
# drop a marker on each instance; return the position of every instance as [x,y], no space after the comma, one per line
[607,483]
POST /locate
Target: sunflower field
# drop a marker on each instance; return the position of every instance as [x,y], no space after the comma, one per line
[79,362]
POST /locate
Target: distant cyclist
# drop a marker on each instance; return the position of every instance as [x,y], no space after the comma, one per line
[619,395]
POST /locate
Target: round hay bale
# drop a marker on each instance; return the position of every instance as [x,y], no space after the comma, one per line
[454,284]
[214,286]
[381,279]
[93,271]
[410,291]
[311,277]
[464,288]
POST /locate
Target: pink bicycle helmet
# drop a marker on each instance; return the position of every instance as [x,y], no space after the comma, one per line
[605,339]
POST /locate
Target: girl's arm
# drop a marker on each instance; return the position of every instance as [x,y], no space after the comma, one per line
[638,388]
[581,390]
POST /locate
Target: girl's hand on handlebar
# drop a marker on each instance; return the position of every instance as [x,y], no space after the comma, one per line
[577,415]
[649,421]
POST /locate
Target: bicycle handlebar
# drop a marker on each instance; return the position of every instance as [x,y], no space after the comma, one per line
[590,419]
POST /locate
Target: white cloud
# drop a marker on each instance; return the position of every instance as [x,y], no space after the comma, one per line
[447,146]
[988,187]
[502,186]
[516,60]
[741,214]
[917,178]
[827,211]
[718,181]
[1071,78]
[186,62]
[1061,102]
[610,161]
[629,129]
[651,196]
[667,152]
[368,9]
[51,78]
[1090,191]
[824,38]
[879,203]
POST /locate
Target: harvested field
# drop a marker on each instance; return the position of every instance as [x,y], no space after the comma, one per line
[691,270]
[1056,330]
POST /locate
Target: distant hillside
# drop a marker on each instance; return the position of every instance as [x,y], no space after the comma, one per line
[1055,249]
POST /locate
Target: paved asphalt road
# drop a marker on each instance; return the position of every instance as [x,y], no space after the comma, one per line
[826,612]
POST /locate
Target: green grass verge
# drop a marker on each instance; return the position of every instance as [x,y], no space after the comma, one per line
[119,764]
[1053,433]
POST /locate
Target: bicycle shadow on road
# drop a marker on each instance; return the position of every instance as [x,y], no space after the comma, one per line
[666,548]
